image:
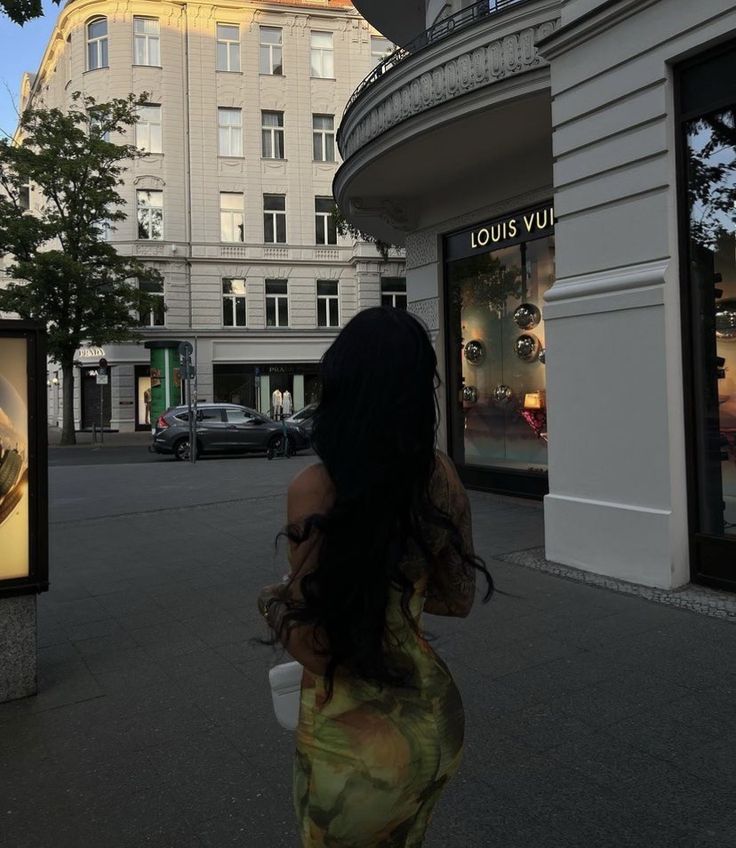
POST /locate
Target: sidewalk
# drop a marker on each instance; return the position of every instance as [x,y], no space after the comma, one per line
[594,719]
[140,437]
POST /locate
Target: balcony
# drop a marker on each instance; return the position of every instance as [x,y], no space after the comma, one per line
[460,115]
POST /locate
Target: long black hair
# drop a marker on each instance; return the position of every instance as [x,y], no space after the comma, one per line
[374,430]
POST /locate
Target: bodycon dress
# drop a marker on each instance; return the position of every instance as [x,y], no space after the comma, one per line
[371,762]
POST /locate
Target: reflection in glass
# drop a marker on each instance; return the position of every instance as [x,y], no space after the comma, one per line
[711,186]
[489,295]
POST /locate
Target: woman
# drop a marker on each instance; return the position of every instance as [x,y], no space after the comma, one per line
[378,532]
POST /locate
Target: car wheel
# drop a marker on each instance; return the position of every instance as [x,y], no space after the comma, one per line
[181,450]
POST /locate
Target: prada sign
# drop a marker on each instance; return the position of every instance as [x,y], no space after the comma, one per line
[501,232]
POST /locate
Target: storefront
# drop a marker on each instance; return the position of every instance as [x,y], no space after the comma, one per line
[255,385]
[707,156]
[496,275]
[142,397]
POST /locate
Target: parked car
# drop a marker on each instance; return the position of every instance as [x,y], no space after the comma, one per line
[224,428]
[304,418]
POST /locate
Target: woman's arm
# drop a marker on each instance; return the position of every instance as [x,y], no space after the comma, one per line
[451,583]
[310,493]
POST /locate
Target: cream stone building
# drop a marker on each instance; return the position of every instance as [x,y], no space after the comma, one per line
[232,203]
[562,173]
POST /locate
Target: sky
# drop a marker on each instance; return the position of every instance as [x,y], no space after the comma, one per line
[21,49]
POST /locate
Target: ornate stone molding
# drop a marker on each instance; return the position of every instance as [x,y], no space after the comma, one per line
[421,249]
[498,59]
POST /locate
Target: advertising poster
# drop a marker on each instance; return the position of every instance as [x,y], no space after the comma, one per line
[14,498]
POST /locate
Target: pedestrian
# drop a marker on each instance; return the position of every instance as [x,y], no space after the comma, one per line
[379,531]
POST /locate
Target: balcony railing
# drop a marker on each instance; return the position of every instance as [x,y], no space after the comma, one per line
[439,31]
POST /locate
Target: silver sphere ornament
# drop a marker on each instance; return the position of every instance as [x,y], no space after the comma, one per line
[527,316]
[470,394]
[543,356]
[726,320]
[527,347]
[475,352]
[502,394]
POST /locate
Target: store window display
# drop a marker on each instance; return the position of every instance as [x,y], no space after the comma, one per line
[496,278]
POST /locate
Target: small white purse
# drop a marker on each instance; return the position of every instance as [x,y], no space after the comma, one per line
[286,687]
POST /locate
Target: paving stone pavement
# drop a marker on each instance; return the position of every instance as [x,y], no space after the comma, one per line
[594,718]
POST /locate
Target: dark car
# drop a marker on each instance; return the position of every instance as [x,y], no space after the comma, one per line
[304,419]
[224,428]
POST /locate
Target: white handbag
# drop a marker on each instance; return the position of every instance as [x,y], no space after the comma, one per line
[286,687]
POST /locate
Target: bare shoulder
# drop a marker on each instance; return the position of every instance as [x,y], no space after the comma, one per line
[311,491]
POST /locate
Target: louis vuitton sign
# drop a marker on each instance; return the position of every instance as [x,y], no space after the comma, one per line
[502,232]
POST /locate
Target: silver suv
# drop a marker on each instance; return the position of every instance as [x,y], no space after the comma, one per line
[225,428]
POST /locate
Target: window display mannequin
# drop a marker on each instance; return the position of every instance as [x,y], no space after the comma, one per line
[288,404]
[277,404]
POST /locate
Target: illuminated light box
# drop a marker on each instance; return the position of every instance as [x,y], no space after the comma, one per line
[23,462]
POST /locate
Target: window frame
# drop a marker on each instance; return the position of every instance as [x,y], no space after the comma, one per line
[275,215]
[229,43]
[230,302]
[147,207]
[271,135]
[326,222]
[149,124]
[232,213]
[230,132]
[152,314]
[100,42]
[147,39]
[267,48]
[279,298]
[321,53]
[393,293]
[331,301]
[323,135]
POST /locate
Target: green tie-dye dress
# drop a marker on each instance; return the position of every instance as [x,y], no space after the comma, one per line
[371,763]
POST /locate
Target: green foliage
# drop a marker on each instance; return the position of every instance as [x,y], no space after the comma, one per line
[64,273]
[345,228]
[22,11]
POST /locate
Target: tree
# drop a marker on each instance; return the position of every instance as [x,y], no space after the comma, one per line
[22,11]
[65,274]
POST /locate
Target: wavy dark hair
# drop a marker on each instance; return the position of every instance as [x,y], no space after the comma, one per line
[374,430]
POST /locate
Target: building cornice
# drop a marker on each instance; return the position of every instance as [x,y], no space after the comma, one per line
[590,25]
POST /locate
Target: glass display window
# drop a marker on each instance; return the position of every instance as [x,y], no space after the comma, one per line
[495,285]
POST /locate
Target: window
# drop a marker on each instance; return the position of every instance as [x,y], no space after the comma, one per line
[233,302]
[95,126]
[323,133]
[328,306]
[69,58]
[150,214]
[393,292]
[97,44]
[380,49]
[146,44]
[238,416]
[228,47]
[106,230]
[271,51]
[156,317]
[230,128]
[277,303]
[324,220]
[322,55]
[231,216]
[148,129]
[274,218]
[272,135]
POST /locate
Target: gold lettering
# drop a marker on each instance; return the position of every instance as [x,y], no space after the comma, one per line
[512,228]
[483,237]
[473,242]
[542,219]
[496,232]
[529,221]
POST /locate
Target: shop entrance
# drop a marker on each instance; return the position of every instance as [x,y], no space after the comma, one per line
[707,155]
[92,396]
[143,397]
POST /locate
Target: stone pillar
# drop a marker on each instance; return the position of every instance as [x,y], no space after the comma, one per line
[17,647]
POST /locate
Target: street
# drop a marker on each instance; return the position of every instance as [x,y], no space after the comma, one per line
[594,718]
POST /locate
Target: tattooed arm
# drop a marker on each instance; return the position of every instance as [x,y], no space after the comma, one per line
[451,584]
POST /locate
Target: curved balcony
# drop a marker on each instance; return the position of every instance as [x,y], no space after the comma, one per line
[459,115]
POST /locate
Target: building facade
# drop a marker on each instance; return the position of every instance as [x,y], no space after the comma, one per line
[563,175]
[233,202]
